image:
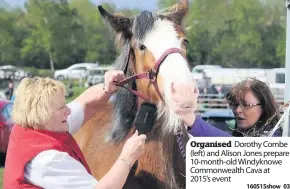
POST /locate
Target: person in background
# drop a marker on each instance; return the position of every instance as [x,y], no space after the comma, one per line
[252,103]
[42,136]
[10,90]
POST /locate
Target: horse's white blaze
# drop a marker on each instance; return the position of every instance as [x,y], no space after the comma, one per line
[162,37]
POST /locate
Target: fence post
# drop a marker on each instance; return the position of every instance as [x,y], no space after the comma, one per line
[286,127]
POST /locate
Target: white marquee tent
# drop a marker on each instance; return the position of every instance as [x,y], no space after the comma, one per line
[286,127]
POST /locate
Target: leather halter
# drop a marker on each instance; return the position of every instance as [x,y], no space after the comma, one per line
[151,75]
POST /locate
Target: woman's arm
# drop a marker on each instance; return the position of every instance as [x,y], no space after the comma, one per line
[132,150]
[95,97]
[116,177]
[201,128]
[76,118]
[55,169]
[91,100]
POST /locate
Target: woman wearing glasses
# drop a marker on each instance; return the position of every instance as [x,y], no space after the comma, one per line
[252,103]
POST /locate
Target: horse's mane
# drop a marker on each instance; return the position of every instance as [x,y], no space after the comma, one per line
[125,106]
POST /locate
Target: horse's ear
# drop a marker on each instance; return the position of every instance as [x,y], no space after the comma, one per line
[177,12]
[118,22]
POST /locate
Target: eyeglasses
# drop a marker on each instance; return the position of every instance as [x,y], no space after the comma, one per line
[243,106]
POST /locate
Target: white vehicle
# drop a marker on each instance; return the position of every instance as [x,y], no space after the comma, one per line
[12,72]
[230,76]
[96,75]
[199,74]
[276,81]
[274,78]
[200,68]
[226,76]
[76,71]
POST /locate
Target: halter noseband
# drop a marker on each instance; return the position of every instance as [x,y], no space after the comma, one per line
[151,75]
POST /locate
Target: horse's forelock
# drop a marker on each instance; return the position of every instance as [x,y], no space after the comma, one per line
[142,24]
[122,59]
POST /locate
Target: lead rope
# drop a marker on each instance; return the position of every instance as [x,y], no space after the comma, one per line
[180,144]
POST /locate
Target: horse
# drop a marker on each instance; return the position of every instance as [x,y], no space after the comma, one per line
[153,56]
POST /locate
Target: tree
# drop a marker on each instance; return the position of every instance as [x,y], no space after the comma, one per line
[98,40]
[54,31]
[57,33]
[11,35]
[236,33]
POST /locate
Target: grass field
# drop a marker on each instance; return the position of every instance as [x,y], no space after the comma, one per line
[2,160]
[1,177]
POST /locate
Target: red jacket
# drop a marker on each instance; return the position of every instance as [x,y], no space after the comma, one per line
[25,144]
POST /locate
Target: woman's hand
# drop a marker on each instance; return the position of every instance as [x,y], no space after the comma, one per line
[117,175]
[184,101]
[133,148]
[111,77]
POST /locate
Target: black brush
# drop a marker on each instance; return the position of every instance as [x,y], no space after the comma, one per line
[145,117]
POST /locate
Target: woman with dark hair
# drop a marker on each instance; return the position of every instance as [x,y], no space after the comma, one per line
[252,103]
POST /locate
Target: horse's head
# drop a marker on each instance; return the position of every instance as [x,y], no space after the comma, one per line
[154,44]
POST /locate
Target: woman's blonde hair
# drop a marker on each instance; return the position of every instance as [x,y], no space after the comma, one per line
[33,99]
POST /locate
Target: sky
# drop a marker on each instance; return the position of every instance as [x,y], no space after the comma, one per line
[140,4]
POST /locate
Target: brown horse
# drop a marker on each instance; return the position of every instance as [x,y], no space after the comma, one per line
[148,40]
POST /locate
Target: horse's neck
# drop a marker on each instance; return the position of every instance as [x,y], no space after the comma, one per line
[162,163]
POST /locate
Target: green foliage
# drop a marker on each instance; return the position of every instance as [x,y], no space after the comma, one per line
[234,33]
[11,35]
[58,33]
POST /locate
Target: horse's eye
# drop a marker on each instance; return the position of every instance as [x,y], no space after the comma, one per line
[142,47]
[185,42]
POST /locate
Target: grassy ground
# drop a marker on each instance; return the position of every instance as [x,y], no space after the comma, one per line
[1,177]
[2,160]
[76,92]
